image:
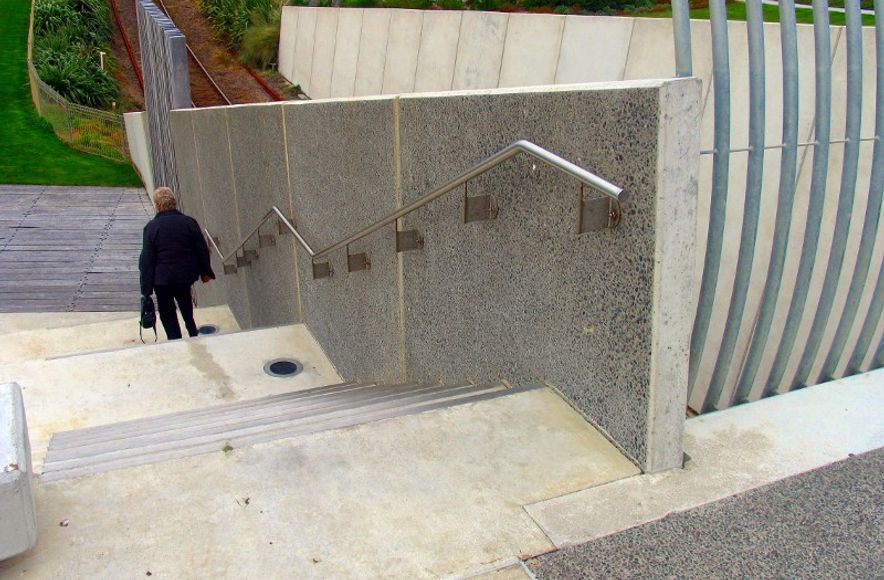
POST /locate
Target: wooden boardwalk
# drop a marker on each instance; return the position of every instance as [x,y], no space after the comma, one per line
[70,249]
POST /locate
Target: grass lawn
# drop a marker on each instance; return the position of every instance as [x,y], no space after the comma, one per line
[737,11]
[29,151]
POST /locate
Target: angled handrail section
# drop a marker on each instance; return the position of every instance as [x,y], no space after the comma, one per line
[585,177]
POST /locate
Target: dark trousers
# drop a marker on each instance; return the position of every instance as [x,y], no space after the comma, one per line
[167,296]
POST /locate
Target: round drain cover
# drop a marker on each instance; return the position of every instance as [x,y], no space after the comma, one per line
[207,329]
[283,367]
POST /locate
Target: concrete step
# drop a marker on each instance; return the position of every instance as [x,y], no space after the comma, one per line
[89,334]
[166,437]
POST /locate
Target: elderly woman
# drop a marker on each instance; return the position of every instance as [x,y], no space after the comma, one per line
[174,255]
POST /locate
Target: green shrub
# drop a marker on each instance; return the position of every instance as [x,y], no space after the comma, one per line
[68,35]
[260,43]
[79,79]
[414,4]
[231,18]
[360,3]
[485,4]
[450,4]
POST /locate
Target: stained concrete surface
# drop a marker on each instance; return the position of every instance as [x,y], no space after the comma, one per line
[827,523]
[422,496]
[101,388]
[94,336]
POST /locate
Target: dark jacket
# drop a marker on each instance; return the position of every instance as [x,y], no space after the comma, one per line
[174,251]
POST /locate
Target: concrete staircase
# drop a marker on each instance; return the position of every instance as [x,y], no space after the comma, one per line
[225,427]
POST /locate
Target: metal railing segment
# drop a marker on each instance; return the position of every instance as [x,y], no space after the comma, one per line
[819,175]
[751,206]
[783,220]
[846,195]
[585,177]
[720,174]
[870,223]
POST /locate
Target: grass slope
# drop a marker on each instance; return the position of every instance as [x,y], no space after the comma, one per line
[30,153]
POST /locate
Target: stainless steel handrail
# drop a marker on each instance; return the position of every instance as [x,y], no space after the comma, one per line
[522,146]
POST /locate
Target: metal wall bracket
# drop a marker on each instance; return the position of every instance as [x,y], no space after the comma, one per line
[230,268]
[266,240]
[478,208]
[408,240]
[242,261]
[250,254]
[322,270]
[601,213]
[356,262]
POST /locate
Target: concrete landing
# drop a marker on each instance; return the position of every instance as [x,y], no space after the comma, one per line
[83,337]
[731,451]
[421,496]
[95,389]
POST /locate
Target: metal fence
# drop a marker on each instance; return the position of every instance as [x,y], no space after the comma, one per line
[83,128]
[818,316]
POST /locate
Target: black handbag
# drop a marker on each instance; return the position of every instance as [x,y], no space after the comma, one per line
[148,317]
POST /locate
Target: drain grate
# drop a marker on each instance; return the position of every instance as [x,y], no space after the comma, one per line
[207,329]
[283,367]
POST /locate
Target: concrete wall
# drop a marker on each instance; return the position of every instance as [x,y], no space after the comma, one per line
[475,50]
[521,297]
[139,146]
[18,517]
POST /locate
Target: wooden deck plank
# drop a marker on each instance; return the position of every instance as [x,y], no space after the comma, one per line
[70,248]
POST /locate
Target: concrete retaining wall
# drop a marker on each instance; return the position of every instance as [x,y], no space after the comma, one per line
[139,146]
[18,517]
[475,50]
[522,297]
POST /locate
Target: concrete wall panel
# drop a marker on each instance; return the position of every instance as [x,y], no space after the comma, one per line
[480,50]
[271,280]
[304,47]
[191,201]
[438,51]
[220,204]
[343,82]
[402,51]
[531,51]
[515,276]
[323,54]
[593,49]
[342,181]
[372,52]
[139,146]
[288,33]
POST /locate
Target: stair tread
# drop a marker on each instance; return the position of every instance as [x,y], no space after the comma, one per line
[238,441]
[154,439]
[270,416]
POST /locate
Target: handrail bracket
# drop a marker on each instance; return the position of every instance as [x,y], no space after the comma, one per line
[600,213]
[478,207]
[408,240]
[356,262]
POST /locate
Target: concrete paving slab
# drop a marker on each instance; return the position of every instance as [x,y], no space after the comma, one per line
[89,337]
[422,496]
[97,389]
[731,452]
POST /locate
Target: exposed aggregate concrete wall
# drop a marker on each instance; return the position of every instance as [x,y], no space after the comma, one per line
[521,298]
